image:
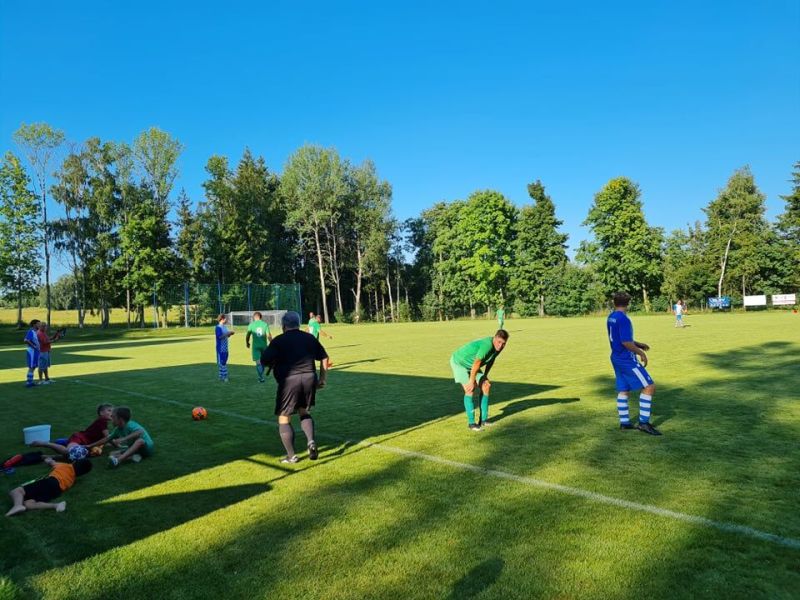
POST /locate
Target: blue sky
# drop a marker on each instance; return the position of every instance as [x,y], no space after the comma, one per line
[446,98]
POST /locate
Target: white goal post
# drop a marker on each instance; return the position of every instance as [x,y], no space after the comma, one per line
[245,317]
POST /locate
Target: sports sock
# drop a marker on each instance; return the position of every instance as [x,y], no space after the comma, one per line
[287,437]
[622,409]
[469,406]
[30,377]
[484,408]
[260,370]
[645,401]
[307,425]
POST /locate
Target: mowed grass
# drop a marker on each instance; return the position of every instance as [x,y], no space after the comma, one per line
[213,514]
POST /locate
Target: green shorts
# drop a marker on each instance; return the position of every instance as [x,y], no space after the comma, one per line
[460,374]
[256,352]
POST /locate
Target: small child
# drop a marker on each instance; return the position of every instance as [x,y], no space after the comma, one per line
[38,494]
[32,351]
[89,437]
[45,345]
[125,431]
[221,333]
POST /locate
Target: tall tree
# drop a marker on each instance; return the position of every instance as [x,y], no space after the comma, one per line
[539,249]
[687,273]
[20,232]
[628,249]
[789,227]
[156,153]
[40,142]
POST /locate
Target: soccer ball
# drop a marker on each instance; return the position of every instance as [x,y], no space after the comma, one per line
[77,453]
[199,413]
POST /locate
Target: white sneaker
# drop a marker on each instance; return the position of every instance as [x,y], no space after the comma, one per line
[136,458]
[113,460]
[46,382]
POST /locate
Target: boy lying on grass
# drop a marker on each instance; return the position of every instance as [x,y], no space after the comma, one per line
[132,439]
[95,432]
[38,494]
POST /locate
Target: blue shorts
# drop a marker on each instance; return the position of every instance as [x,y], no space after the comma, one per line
[44,360]
[33,358]
[631,377]
[679,317]
[222,358]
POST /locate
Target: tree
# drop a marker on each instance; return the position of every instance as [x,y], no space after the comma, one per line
[736,228]
[789,228]
[539,249]
[628,250]
[687,273]
[314,189]
[156,154]
[20,234]
[40,141]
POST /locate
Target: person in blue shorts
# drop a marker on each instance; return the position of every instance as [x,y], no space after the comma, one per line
[626,355]
[222,333]
[32,351]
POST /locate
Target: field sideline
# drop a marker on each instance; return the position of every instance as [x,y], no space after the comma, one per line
[553,501]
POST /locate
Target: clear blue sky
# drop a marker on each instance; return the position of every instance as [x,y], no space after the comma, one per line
[445,98]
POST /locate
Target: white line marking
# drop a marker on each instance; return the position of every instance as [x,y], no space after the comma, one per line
[530,481]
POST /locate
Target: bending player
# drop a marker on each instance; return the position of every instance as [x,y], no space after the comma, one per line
[471,365]
[629,373]
[259,330]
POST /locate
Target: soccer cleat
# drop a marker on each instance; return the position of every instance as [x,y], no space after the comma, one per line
[261,380]
[627,426]
[483,424]
[113,461]
[474,427]
[313,453]
[290,460]
[30,384]
[136,458]
[647,428]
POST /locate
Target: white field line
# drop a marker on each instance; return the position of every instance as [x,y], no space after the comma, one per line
[734,528]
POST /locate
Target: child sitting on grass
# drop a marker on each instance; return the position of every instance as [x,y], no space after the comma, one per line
[89,437]
[131,438]
[38,494]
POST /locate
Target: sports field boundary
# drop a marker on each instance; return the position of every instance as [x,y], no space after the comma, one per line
[733,528]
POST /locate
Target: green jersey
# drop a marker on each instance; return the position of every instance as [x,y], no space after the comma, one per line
[482,349]
[501,314]
[129,428]
[313,327]
[260,333]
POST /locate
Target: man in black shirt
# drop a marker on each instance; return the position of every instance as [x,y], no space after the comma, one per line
[291,357]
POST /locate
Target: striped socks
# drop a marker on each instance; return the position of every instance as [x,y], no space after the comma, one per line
[645,401]
[29,378]
[223,372]
[622,409]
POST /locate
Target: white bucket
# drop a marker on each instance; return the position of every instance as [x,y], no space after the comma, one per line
[37,433]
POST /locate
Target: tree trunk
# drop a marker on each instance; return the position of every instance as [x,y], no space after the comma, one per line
[19,306]
[321,275]
[744,308]
[359,274]
[391,301]
[646,299]
[541,305]
[46,237]
[724,263]
[128,304]
[383,307]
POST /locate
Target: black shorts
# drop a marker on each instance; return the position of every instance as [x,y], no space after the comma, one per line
[42,490]
[296,392]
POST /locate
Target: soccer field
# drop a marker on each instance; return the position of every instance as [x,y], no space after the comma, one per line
[554,501]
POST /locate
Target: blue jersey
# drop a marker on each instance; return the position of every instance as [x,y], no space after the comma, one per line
[620,329]
[221,333]
[33,339]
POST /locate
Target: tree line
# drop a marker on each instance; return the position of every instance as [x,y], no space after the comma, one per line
[327,224]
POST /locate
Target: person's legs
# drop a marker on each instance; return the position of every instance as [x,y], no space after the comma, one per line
[35,505]
[260,371]
[469,407]
[135,447]
[307,425]
[222,363]
[646,402]
[62,450]
[17,498]
[287,434]
[485,388]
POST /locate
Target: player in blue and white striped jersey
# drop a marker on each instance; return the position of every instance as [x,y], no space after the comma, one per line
[626,354]
[32,351]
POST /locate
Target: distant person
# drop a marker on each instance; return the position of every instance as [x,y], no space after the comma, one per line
[45,345]
[629,373]
[259,331]
[680,310]
[38,494]
[471,364]
[32,351]
[94,433]
[221,333]
[292,356]
[132,440]
[501,318]
[315,326]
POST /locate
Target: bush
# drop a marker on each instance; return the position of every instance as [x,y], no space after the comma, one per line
[342,317]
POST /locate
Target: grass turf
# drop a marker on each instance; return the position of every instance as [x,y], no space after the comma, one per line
[213,512]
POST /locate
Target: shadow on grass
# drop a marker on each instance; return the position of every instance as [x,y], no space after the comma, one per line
[481,577]
[522,405]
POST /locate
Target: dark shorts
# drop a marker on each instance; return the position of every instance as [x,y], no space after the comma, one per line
[296,392]
[42,490]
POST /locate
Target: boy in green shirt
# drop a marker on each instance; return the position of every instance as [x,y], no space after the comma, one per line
[501,317]
[471,365]
[315,326]
[261,335]
[131,438]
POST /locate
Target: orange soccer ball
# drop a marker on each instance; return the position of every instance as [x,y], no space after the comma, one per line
[199,413]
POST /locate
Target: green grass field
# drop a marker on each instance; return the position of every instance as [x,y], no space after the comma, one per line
[552,502]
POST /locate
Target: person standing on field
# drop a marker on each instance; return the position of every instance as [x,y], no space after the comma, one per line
[259,331]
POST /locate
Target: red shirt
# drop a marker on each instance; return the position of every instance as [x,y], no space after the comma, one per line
[44,341]
[94,432]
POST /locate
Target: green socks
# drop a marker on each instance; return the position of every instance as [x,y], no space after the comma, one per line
[469,406]
[484,408]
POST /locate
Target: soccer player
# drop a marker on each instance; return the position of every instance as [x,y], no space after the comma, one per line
[315,326]
[38,494]
[259,330]
[501,317]
[32,351]
[471,365]
[45,345]
[292,356]
[630,374]
[221,333]
[680,308]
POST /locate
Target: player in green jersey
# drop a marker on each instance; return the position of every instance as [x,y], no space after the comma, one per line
[315,326]
[501,317]
[471,365]
[259,331]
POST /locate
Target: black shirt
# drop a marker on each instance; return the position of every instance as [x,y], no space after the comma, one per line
[293,353]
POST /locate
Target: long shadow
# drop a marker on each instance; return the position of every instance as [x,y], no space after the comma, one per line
[481,577]
[522,405]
